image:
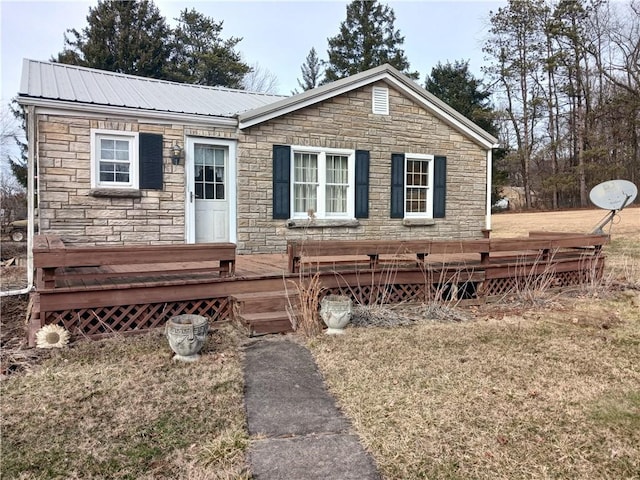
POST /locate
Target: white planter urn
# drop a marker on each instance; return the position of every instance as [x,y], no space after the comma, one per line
[187,334]
[335,311]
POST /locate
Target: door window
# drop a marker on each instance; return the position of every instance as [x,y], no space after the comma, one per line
[209,172]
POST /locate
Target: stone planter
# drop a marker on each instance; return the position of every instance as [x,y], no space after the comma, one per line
[186,334]
[335,311]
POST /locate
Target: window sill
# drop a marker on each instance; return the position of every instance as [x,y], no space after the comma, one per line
[321,223]
[418,222]
[115,192]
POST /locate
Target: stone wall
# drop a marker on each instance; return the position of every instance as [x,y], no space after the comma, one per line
[67,209]
[347,122]
[157,217]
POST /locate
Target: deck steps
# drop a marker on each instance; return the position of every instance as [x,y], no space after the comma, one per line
[264,312]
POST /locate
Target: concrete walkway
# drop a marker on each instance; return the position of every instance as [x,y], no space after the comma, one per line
[297,431]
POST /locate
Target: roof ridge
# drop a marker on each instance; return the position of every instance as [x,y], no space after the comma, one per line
[152,80]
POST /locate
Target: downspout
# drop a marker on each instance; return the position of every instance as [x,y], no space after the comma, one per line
[31,158]
[489,187]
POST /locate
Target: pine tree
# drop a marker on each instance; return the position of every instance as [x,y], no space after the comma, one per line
[455,85]
[367,39]
[310,71]
[125,37]
[200,56]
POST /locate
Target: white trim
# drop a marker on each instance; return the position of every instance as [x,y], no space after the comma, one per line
[134,158]
[421,96]
[431,160]
[351,173]
[33,183]
[274,113]
[232,187]
[89,110]
[489,188]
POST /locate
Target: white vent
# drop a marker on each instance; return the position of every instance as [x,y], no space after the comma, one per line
[380,100]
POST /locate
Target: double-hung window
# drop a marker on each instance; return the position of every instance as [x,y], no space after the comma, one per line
[114,159]
[322,182]
[418,186]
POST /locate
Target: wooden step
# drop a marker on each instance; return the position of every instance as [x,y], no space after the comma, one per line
[267,322]
[260,302]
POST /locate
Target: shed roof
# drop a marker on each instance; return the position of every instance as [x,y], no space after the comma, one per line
[70,83]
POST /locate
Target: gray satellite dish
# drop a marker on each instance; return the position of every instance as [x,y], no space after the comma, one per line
[613,195]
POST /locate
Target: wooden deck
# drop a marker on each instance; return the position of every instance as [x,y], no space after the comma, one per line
[105,293]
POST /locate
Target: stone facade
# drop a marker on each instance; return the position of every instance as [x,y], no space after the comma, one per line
[66,207]
[347,122]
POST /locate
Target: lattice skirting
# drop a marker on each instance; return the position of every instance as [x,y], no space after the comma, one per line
[99,321]
[467,290]
[511,285]
[398,293]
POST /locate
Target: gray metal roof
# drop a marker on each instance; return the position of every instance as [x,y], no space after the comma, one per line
[57,81]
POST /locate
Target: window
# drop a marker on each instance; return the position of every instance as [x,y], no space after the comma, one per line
[114,159]
[209,176]
[322,181]
[418,186]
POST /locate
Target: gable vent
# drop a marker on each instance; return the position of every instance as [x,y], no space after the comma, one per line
[381,100]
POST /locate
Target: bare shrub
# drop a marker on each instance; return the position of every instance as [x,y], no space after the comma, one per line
[304,315]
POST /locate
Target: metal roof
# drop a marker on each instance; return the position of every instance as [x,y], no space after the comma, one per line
[57,81]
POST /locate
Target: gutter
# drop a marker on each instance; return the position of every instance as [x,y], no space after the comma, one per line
[31,158]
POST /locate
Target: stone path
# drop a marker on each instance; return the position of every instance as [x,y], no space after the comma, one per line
[297,431]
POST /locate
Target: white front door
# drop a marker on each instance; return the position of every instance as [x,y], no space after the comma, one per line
[210,172]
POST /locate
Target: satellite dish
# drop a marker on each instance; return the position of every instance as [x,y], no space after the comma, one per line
[613,195]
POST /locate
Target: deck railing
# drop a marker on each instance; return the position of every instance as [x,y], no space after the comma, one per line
[346,254]
[99,290]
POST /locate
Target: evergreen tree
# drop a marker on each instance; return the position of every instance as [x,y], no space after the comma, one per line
[201,57]
[125,37]
[12,132]
[455,85]
[366,40]
[310,71]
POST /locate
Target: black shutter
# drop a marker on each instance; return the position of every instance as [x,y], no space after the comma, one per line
[281,181]
[439,186]
[362,184]
[150,160]
[397,185]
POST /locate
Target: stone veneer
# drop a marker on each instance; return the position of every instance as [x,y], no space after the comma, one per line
[67,209]
[157,217]
[347,122]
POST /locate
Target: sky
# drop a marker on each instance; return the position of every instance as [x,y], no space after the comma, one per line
[275,35]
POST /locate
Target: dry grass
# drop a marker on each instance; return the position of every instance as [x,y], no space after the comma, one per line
[539,394]
[523,390]
[122,408]
[626,223]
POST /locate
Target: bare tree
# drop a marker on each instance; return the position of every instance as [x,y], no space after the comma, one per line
[11,137]
[260,79]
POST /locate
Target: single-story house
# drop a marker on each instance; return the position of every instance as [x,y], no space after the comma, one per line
[119,160]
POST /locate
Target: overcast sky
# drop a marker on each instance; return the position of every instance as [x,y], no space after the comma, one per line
[276,35]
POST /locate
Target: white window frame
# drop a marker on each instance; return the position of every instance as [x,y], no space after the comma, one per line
[425,158]
[132,138]
[322,182]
